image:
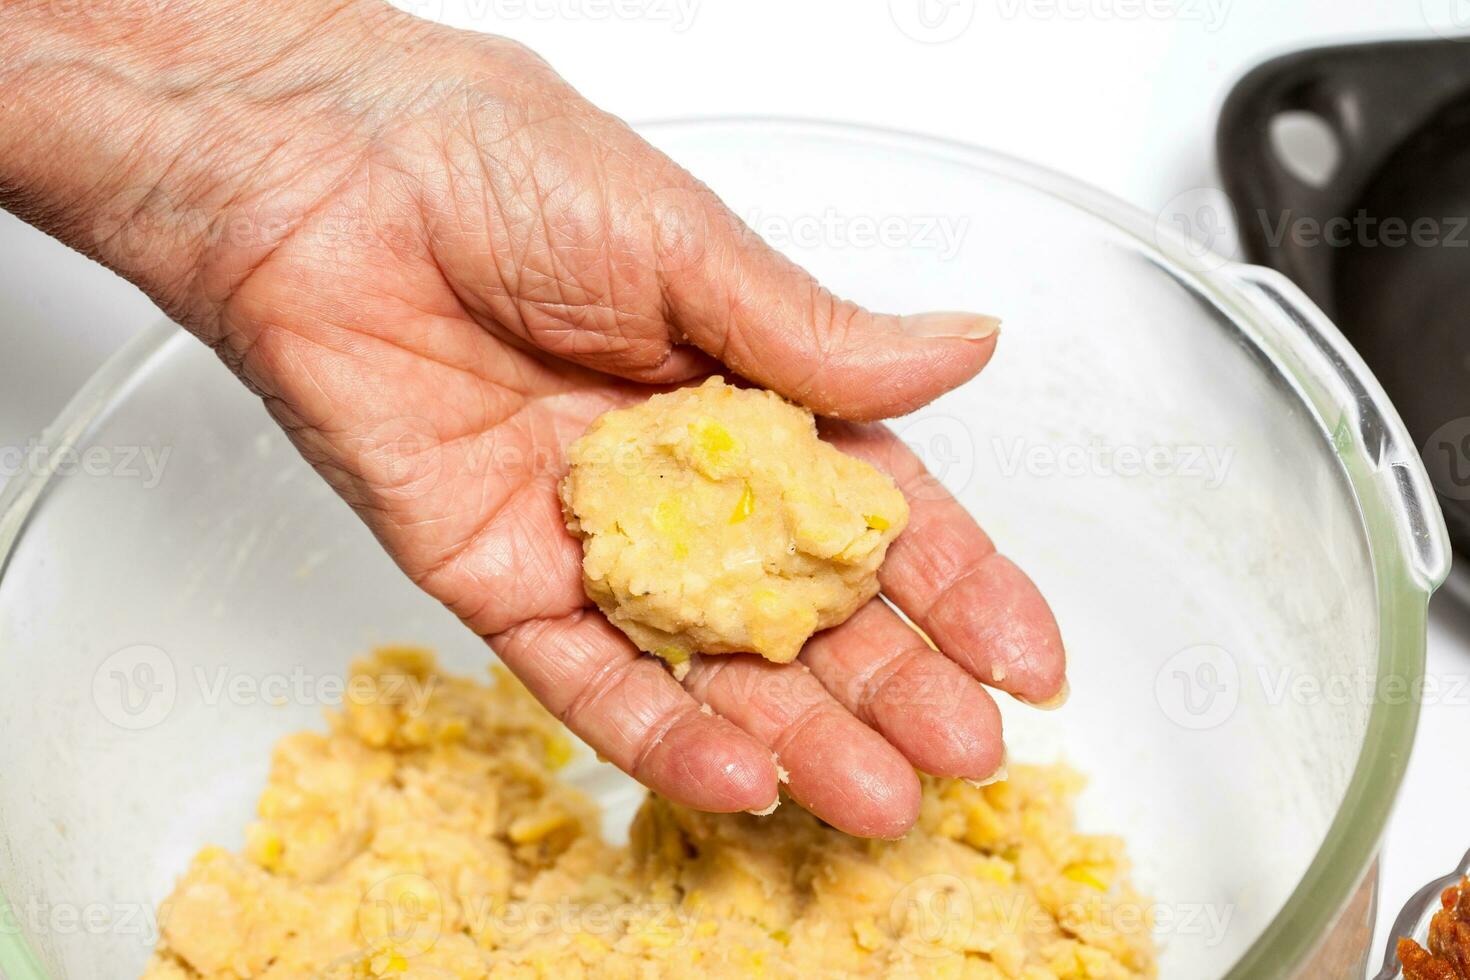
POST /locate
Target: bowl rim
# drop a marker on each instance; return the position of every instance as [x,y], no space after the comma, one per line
[1403,529]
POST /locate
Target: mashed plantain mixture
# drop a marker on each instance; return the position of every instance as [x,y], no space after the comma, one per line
[425,835]
[714,520]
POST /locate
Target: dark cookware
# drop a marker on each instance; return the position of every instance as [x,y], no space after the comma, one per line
[1383,243]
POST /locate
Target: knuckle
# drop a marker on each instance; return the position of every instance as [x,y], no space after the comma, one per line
[655,735]
[595,689]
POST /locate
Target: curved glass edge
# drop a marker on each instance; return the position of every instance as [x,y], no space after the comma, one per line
[1403,590]
[1390,450]
[1413,919]
[18,961]
[1410,551]
[25,490]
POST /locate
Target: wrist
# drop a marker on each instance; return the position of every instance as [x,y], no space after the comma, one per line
[130,129]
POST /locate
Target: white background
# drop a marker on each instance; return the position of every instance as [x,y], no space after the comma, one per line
[1122,93]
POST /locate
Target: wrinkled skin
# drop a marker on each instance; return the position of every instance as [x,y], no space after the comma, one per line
[437,264]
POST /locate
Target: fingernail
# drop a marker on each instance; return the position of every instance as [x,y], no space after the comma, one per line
[999,775]
[951,326]
[1056,700]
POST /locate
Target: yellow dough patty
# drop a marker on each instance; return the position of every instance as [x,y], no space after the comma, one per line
[714,520]
[425,836]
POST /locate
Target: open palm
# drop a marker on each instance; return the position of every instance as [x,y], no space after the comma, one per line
[438,286]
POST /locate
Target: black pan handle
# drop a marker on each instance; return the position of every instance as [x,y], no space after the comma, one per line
[1371,96]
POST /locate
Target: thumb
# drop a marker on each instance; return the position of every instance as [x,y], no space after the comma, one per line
[732,295]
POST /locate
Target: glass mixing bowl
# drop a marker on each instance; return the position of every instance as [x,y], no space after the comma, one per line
[1227,515]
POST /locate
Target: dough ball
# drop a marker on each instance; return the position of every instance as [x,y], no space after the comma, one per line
[713,520]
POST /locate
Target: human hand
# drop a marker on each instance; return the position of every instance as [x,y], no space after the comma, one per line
[436,263]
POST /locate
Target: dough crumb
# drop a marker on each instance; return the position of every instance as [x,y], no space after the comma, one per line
[768,810]
[714,520]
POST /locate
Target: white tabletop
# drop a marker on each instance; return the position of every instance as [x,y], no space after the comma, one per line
[1122,93]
